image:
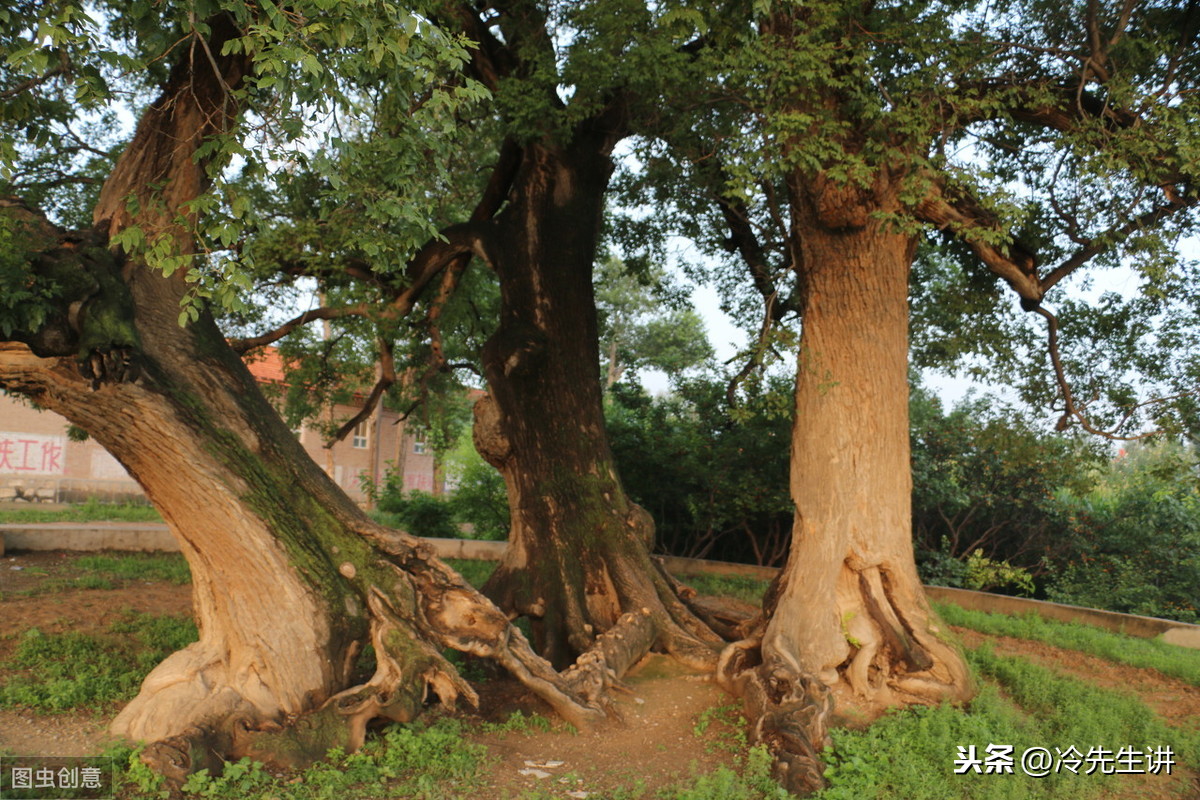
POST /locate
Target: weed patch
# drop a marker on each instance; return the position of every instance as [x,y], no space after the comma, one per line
[1178,662]
[727,727]
[518,722]
[753,783]
[910,754]
[79,671]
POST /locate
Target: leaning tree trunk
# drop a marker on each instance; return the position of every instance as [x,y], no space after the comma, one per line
[578,559]
[290,579]
[847,617]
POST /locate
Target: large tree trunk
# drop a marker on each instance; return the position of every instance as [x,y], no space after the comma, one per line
[578,555]
[290,579]
[264,532]
[847,617]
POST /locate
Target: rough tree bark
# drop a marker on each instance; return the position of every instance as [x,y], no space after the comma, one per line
[262,528]
[579,550]
[847,618]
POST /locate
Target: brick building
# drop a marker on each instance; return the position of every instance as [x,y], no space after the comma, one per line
[38,461]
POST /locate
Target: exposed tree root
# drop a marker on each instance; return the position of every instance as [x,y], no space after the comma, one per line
[427,607]
[790,711]
[729,618]
[456,615]
[887,653]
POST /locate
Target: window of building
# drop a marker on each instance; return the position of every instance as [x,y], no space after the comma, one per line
[360,436]
[419,447]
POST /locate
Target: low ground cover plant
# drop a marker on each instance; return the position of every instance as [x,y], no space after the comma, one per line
[1178,662]
[72,671]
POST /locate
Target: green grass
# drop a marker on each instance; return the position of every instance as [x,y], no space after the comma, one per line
[74,671]
[90,511]
[169,567]
[909,754]
[103,569]
[743,588]
[475,573]
[427,760]
[1178,662]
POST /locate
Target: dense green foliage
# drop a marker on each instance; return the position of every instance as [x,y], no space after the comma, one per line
[714,479]
[417,512]
[479,499]
[73,670]
[475,506]
[988,485]
[645,322]
[1137,537]
[995,501]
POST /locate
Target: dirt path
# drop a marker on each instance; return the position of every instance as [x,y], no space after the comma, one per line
[656,745]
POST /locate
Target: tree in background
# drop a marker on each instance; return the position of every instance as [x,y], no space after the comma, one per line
[1135,537]
[988,485]
[645,323]
[571,80]
[714,479]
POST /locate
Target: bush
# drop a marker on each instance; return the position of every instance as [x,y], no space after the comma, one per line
[480,499]
[715,479]
[986,493]
[420,513]
[1137,538]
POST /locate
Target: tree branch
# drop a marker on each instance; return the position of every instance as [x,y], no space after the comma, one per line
[461,240]
[33,83]
[1072,410]
[241,346]
[1097,245]
[385,376]
[963,215]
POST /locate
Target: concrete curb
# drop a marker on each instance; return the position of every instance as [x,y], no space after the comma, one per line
[1171,632]
[139,536]
[146,536]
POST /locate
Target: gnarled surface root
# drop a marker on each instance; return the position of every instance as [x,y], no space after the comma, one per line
[790,711]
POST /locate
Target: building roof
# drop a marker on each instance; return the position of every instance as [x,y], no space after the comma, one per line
[266,364]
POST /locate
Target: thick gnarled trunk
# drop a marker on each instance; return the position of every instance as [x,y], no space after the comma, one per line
[264,529]
[578,556]
[847,619]
[261,526]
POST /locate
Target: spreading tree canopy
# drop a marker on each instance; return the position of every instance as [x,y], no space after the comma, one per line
[825,144]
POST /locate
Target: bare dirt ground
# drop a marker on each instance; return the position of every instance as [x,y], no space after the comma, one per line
[656,745]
